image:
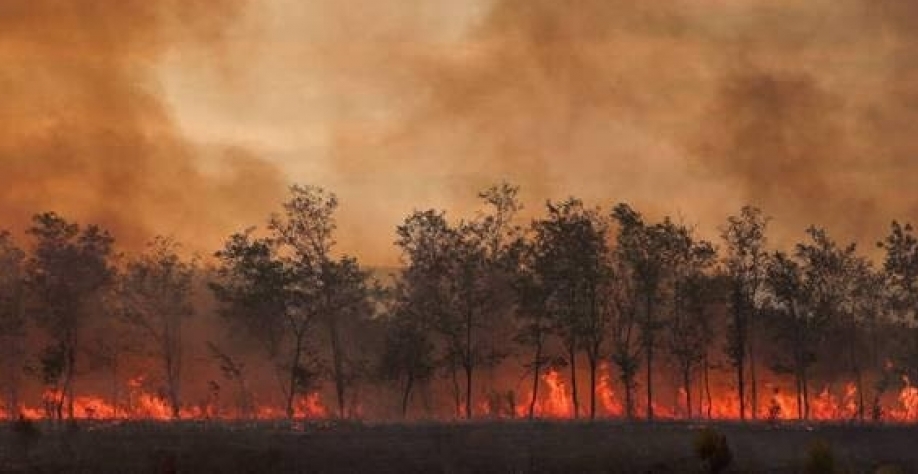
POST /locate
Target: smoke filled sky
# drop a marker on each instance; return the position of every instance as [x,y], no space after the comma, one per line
[189,117]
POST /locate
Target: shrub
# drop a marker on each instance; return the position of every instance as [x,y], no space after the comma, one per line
[711,446]
[889,469]
[820,459]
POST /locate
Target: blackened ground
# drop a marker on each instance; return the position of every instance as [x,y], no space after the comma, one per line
[477,447]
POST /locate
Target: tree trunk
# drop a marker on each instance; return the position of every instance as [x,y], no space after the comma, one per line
[406,395]
[707,385]
[753,384]
[572,355]
[457,396]
[687,386]
[172,382]
[649,351]
[739,350]
[537,369]
[592,361]
[294,368]
[68,380]
[806,394]
[648,342]
[114,380]
[338,366]
[468,362]
[628,382]
[468,391]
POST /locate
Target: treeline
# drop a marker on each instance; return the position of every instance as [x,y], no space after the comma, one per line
[576,289]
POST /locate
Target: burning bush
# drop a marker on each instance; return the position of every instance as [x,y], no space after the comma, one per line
[711,446]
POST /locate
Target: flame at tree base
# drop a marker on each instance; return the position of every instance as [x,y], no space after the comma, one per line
[841,403]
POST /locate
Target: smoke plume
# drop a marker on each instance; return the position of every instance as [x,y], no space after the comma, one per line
[687,107]
[85,131]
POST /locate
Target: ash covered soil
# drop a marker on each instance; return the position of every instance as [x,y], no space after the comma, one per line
[428,447]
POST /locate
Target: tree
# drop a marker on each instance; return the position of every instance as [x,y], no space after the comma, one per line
[346,306]
[745,263]
[861,312]
[649,251]
[900,267]
[626,348]
[408,353]
[68,271]
[275,286]
[534,323]
[12,320]
[156,292]
[461,276]
[572,261]
[809,292]
[690,329]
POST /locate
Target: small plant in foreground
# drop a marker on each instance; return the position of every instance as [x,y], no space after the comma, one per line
[820,458]
[711,446]
[889,469]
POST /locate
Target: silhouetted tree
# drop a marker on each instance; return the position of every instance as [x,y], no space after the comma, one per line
[745,264]
[534,323]
[346,308]
[408,354]
[276,286]
[809,293]
[690,328]
[572,262]
[625,326]
[900,267]
[12,320]
[461,271]
[650,252]
[69,268]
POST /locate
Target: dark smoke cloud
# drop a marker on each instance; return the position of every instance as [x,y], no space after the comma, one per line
[807,109]
[85,130]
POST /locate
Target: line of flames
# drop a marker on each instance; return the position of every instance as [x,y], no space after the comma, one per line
[555,401]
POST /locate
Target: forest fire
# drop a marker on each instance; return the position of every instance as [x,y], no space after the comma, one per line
[554,402]
[147,406]
[649,330]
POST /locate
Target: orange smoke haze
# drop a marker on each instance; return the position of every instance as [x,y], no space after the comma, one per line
[85,130]
[188,117]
